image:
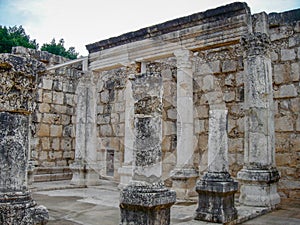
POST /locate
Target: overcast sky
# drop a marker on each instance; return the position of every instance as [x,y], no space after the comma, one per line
[87,21]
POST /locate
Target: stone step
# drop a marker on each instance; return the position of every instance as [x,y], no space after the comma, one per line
[43,174]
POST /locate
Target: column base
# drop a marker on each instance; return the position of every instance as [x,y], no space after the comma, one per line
[259,187]
[142,203]
[84,175]
[125,173]
[20,208]
[184,182]
[216,198]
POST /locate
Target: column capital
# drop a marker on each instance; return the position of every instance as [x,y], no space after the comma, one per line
[256,44]
[183,57]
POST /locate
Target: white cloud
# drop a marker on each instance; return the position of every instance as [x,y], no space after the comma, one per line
[88,21]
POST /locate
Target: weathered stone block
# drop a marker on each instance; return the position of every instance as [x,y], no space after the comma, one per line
[172,114]
[57,85]
[281,73]
[58,98]
[208,83]
[56,130]
[55,144]
[105,130]
[288,54]
[45,143]
[201,112]
[294,41]
[295,71]
[199,126]
[229,80]
[47,97]
[284,123]
[298,124]
[209,68]
[44,107]
[169,128]
[43,130]
[229,66]
[229,96]
[69,99]
[286,91]
[47,84]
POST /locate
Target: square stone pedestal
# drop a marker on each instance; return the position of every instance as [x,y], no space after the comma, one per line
[259,187]
[20,208]
[146,204]
[216,200]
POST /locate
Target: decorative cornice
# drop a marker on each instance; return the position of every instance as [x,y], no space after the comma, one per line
[220,13]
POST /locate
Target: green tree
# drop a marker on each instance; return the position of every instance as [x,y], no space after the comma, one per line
[15,36]
[59,49]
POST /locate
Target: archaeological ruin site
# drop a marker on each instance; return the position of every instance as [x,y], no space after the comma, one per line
[203,108]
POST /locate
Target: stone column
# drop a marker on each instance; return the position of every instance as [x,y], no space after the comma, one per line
[17,91]
[259,175]
[146,200]
[184,175]
[216,189]
[125,171]
[85,168]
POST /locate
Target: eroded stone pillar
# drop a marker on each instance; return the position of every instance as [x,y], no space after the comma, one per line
[85,167]
[145,200]
[17,91]
[184,175]
[216,189]
[125,171]
[259,175]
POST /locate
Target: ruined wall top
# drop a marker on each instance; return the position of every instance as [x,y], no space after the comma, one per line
[18,82]
[220,13]
[42,56]
[288,17]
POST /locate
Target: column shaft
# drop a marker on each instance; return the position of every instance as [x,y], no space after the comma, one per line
[259,174]
[184,175]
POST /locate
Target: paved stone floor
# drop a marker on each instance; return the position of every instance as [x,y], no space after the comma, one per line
[96,205]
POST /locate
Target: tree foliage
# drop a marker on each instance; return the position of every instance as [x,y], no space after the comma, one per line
[59,49]
[15,36]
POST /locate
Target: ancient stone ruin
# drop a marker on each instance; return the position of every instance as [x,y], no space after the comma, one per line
[193,105]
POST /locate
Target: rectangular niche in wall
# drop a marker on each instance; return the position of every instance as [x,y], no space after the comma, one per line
[110,162]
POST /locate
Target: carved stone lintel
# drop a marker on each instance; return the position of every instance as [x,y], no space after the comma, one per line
[256,44]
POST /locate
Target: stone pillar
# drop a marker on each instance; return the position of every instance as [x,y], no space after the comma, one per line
[85,168]
[216,189]
[125,171]
[184,175]
[259,175]
[17,91]
[145,200]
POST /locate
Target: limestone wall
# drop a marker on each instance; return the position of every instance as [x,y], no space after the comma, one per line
[110,119]
[53,120]
[285,37]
